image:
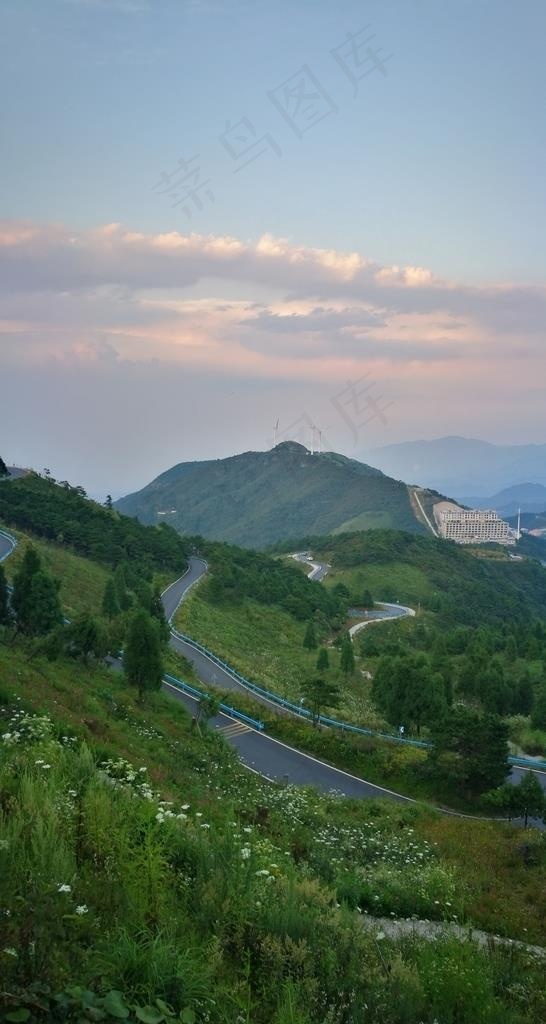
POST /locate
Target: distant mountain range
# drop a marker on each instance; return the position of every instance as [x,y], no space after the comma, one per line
[527,497]
[461,466]
[258,498]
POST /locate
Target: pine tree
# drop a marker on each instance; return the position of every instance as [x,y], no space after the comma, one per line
[35,597]
[470,750]
[42,612]
[30,565]
[323,661]
[143,592]
[524,696]
[310,640]
[538,714]
[408,692]
[122,594]
[109,503]
[110,603]
[157,612]
[367,599]
[142,656]
[347,659]
[320,694]
[4,601]
[4,471]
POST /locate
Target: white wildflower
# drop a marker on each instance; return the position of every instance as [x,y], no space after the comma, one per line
[64,888]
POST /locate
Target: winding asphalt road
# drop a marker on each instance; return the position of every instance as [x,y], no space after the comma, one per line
[257,750]
[318,569]
[261,753]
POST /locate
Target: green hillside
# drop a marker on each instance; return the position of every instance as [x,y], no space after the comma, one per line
[146,875]
[258,498]
[81,580]
[63,514]
[458,585]
[130,897]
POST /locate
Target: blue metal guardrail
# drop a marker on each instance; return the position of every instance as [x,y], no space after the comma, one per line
[296,709]
[232,712]
[333,723]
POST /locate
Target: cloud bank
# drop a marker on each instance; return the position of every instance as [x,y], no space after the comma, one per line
[235,317]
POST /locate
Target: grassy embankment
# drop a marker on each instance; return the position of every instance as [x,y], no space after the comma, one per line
[480,864]
[265,644]
[81,581]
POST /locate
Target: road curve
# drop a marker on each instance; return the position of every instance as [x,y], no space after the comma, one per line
[261,753]
[6,546]
[318,569]
[256,749]
[264,754]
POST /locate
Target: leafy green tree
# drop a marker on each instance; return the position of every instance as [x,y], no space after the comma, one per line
[86,637]
[323,661]
[503,799]
[142,655]
[319,694]
[4,600]
[469,751]
[208,707]
[310,639]
[347,656]
[110,603]
[529,798]
[525,800]
[407,691]
[4,471]
[367,599]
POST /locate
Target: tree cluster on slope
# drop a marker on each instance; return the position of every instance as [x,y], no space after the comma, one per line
[238,573]
[62,513]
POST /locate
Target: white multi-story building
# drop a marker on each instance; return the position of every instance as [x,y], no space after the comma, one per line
[471,526]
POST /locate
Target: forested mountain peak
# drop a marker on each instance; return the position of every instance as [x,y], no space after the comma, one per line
[258,498]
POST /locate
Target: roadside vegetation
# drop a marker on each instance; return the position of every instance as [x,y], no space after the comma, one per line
[147,876]
[82,581]
[57,511]
[167,880]
[442,577]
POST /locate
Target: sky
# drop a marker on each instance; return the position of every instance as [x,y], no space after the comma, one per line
[217,217]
